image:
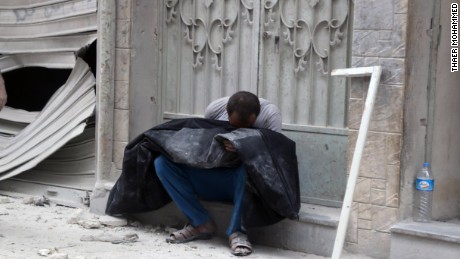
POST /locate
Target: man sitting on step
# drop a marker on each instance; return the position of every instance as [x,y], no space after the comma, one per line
[186,185]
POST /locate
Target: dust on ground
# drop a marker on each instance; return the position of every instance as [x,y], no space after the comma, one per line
[34,228]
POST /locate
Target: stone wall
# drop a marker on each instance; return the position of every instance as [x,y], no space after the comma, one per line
[122,76]
[379,38]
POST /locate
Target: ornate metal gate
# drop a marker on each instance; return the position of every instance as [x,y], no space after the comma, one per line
[283,51]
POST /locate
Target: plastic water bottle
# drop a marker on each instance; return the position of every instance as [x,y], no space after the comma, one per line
[424,184]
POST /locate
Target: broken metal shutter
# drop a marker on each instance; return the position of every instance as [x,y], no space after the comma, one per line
[48,34]
[32,26]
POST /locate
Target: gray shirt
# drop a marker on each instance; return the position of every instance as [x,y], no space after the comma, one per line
[268,118]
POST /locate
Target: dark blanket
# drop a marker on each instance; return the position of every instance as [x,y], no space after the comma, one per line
[272,189]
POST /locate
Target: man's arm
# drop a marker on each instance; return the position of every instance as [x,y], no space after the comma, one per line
[274,121]
[269,117]
[216,110]
[3,96]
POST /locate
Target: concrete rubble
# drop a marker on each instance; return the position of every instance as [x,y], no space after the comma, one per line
[52,231]
[113,221]
[37,201]
[114,239]
[52,253]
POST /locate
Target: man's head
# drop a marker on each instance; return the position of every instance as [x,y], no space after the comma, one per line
[243,108]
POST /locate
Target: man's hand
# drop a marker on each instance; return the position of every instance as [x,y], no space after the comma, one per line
[2,92]
[229,146]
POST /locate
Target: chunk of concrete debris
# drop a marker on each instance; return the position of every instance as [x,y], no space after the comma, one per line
[5,200]
[114,239]
[90,223]
[28,200]
[47,251]
[42,201]
[37,201]
[84,219]
[135,224]
[59,256]
[113,221]
[77,216]
[52,253]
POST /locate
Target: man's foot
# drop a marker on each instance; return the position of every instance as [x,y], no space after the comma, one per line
[239,244]
[190,233]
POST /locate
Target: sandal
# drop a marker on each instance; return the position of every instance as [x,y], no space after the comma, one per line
[189,233]
[239,244]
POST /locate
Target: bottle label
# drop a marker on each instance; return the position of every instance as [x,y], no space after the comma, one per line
[424,184]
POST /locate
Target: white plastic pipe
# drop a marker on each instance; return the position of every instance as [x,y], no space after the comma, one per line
[375,73]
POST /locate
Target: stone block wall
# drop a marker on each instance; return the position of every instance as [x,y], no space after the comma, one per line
[379,38]
[122,76]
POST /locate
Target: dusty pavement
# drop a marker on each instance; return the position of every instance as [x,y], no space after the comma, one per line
[28,230]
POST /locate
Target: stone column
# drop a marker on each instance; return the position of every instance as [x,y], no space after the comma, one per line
[104,103]
[122,83]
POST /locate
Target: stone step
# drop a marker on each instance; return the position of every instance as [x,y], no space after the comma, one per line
[411,239]
[313,233]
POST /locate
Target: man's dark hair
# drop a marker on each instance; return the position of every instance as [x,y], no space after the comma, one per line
[244,104]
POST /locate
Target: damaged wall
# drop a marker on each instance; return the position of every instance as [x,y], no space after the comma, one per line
[44,78]
[49,34]
[40,45]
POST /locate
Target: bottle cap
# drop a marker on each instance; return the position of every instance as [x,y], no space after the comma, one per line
[426,164]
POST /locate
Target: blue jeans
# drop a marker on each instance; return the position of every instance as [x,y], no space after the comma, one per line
[187,184]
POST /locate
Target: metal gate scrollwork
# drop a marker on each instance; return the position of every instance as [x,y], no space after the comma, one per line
[205,30]
[318,36]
